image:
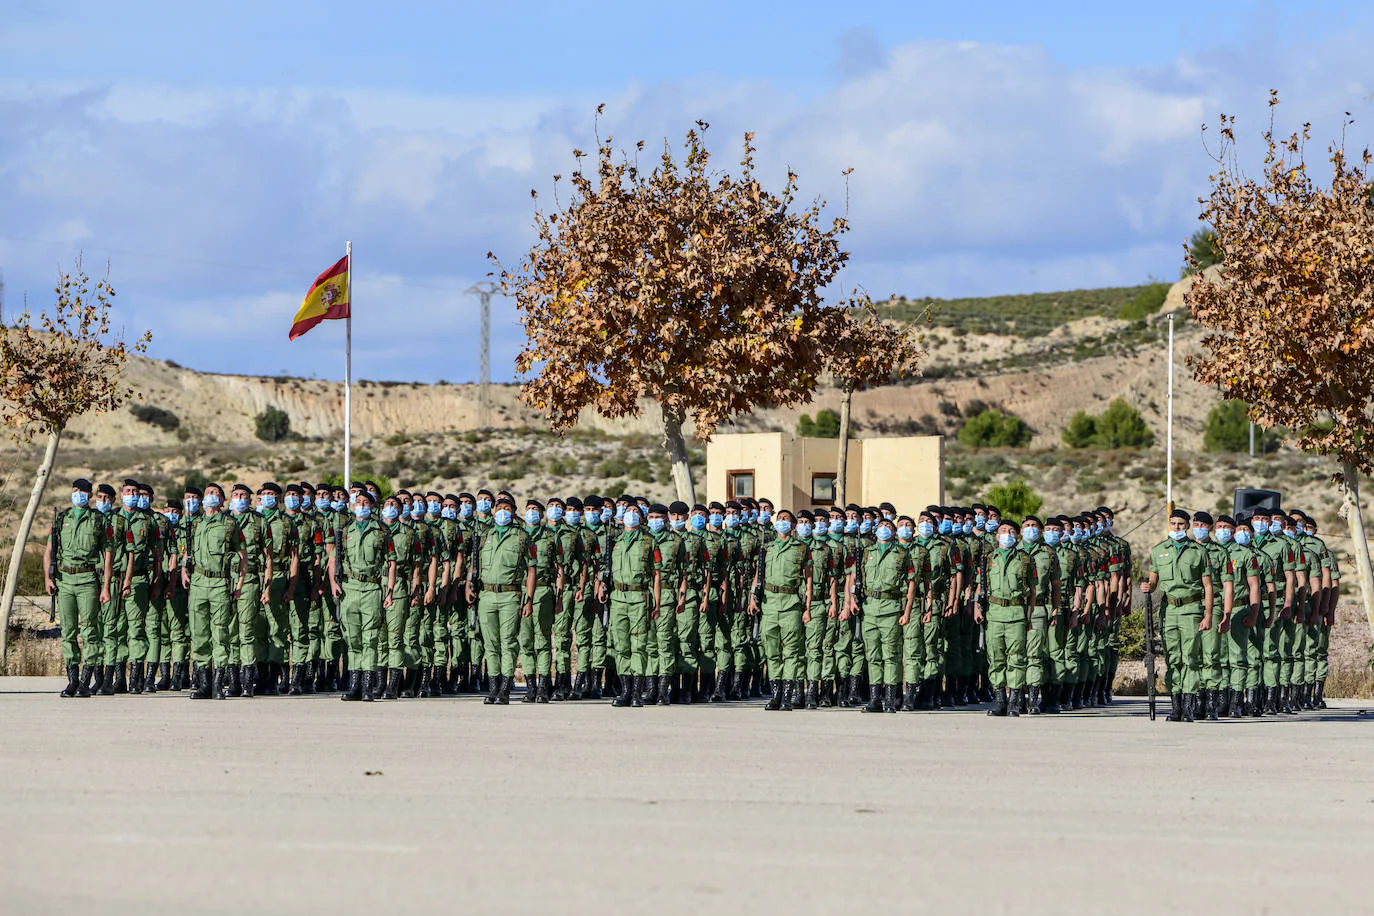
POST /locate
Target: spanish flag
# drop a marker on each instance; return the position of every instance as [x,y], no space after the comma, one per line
[328,298]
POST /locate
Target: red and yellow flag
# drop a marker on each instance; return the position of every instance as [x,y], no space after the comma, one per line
[327,299]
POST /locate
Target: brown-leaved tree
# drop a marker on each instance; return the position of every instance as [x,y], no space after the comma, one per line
[66,366]
[696,288]
[1290,320]
[866,351]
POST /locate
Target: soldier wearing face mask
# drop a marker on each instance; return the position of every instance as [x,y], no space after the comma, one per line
[363,578]
[81,548]
[446,643]
[589,633]
[741,623]
[634,592]
[309,544]
[690,525]
[1181,570]
[670,560]
[536,627]
[890,585]
[568,544]
[213,570]
[827,568]
[1012,583]
[784,580]
[504,571]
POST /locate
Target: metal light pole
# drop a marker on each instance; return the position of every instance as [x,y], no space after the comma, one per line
[486,290]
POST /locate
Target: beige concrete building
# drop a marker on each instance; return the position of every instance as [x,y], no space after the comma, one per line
[798,472]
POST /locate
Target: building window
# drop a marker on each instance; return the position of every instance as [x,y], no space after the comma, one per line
[739,484]
[823,489]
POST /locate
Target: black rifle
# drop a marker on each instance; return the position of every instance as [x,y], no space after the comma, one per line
[860,593]
[760,564]
[339,532]
[1150,651]
[473,554]
[604,576]
[54,539]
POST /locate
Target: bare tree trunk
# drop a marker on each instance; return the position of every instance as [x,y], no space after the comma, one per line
[1350,491]
[840,490]
[21,538]
[677,454]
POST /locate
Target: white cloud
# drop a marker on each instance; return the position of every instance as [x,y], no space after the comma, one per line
[978,169]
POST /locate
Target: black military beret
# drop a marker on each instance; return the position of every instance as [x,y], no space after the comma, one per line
[105,490]
[367,495]
[785,511]
[733,504]
[294,488]
[505,501]
[145,488]
[678,506]
[1259,512]
[194,491]
[240,486]
[1180,514]
[485,492]
[82,484]
[1225,519]
[659,508]
[993,510]
[698,508]
[1031,518]
[536,503]
[1054,521]
[507,494]
[1007,523]
[592,502]
[461,496]
[173,504]
[324,488]
[271,487]
[716,506]
[402,492]
[927,514]
[1243,520]
[357,485]
[573,503]
[1204,517]
[805,513]
[130,482]
[450,497]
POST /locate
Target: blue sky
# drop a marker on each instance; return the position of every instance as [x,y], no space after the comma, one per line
[218,154]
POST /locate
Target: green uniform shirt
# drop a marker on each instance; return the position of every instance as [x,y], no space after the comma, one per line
[502,556]
[84,537]
[543,555]
[1181,567]
[886,570]
[367,548]
[1046,571]
[1012,581]
[281,538]
[633,561]
[256,540]
[215,542]
[140,538]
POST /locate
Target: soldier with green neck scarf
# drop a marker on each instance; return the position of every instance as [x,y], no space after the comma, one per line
[536,627]
[504,572]
[81,548]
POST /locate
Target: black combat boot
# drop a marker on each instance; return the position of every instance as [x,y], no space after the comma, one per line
[718,695]
[984,691]
[1255,702]
[372,684]
[249,679]
[121,678]
[393,684]
[562,687]
[1271,700]
[999,703]
[1237,700]
[946,697]
[1076,695]
[909,697]
[1175,708]
[220,690]
[593,686]
[107,681]
[1309,693]
[775,701]
[1052,692]
[637,686]
[1014,702]
[426,675]
[660,690]
[354,690]
[1189,706]
[1102,690]
[736,690]
[1033,700]
[542,683]
[790,696]
[1213,705]
[185,676]
[813,695]
[492,694]
[892,701]
[936,696]
[1107,689]
[531,691]
[623,699]
[1319,700]
[135,677]
[178,674]
[579,686]
[200,684]
[875,699]
[436,682]
[73,681]
[297,681]
[231,680]
[164,680]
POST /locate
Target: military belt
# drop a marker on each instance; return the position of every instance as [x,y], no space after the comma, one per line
[76,570]
[621,587]
[889,593]
[370,580]
[500,589]
[211,575]
[780,589]
[1006,602]
[1188,598]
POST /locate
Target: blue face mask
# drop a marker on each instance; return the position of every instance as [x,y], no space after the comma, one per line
[1178,535]
[362,513]
[555,513]
[925,529]
[573,517]
[592,519]
[1223,535]
[129,500]
[190,505]
[753,516]
[804,530]
[1006,541]
[448,512]
[417,511]
[238,504]
[321,502]
[619,513]
[390,513]
[1031,534]
[677,524]
[483,506]
[1200,534]
[979,524]
[1052,538]
[968,527]
[143,501]
[173,517]
[212,500]
[631,518]
[884,533]
[716,519]
[1243,538]
[465,510]
[1289,532]
[104,507]
[991,525]
[432,506]
[338,505]
[782,526]
[946,526]
[268,501]
[531,517]
[732,521]
[698,523]
[865,526]
[851,526]
[80,498]
[293,503]
[605,514]
[904,533]
[502,517]
[655,525]
[821,528]
[765,517]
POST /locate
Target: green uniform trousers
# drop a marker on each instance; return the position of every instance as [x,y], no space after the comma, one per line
[629,631]
[1039,668]
[361,609]
[1006,637]
[276,625]
[78,612]
[391,640]
[252,625]
[963,644]
[1241,675]
[820,665]
[1213,649]
[179,624]
[1056,647]
[933,644]
[839,650]
[783,636]
[299,610]
[1183,647]
[586,626]
[211,612]
[914,648]
[883,640]
[564,612]
[713,636]
[688,635]
[536,635]
[741,634]
[499,616]
[114,628]
[663,642]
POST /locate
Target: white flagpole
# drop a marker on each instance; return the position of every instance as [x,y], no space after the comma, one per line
[1169,435]
[348,373]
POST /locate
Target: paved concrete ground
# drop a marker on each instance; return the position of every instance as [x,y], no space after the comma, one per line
[304,805]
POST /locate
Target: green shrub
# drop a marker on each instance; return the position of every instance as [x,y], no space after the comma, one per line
[825,426]
[383,484]
[1132,635]
[155,416]
[272,425]
[1119,426]
[995,429]
[1228,430]
[1016,500]
[1202,246]
[1146,302]
[194,478]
